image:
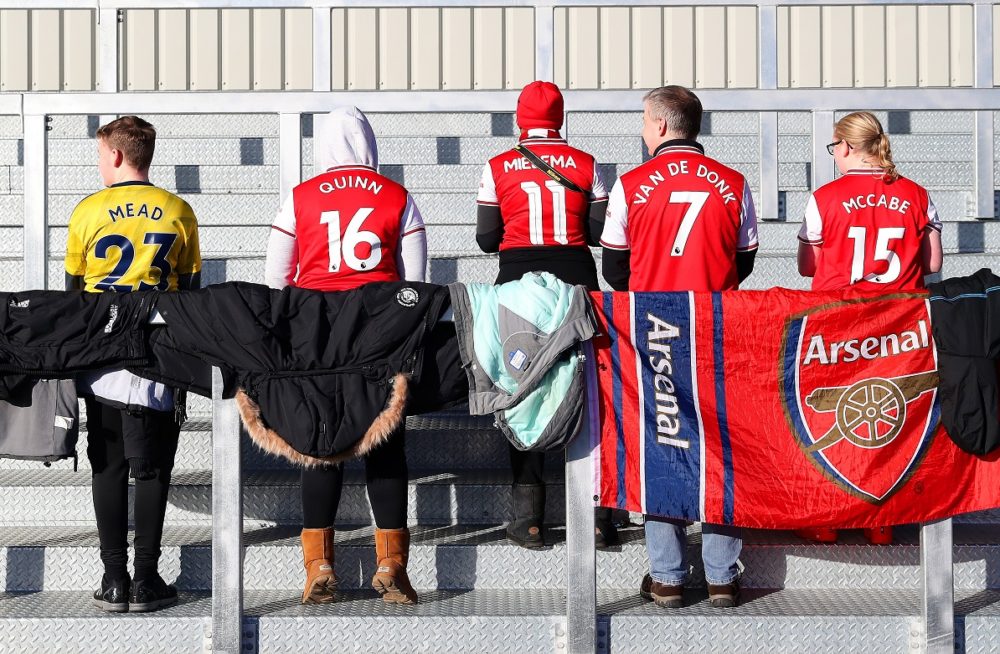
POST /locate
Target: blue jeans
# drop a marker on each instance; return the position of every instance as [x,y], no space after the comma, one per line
[666,543]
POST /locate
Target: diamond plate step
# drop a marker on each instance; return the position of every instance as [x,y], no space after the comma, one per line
[438,441]
[60,497]
[479,556]
[481,621]
[66,622]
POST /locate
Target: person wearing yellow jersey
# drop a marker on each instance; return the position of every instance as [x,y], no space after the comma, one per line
[131,236]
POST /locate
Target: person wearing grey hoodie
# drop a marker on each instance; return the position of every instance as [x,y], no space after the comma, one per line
[346,227]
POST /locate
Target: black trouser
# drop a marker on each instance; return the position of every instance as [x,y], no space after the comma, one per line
[106,451]
[386,476]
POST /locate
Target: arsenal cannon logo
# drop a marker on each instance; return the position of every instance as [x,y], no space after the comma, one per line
[859,381]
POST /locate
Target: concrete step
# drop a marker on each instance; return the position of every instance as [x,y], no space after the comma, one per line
[464,557]
[62,497]
[441,441]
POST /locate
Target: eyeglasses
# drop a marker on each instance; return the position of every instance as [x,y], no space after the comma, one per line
[831,146]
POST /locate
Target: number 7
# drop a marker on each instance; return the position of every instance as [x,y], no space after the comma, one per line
[696,200]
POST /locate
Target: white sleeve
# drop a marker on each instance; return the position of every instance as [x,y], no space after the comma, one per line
[747,239]
[411,257]
[933,220]
[487,187]
[281,262]
[812,224]
[615,234]
[597,190]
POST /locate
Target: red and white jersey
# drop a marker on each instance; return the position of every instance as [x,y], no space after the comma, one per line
[347,224]
[683,216]
[869,232]
[537,210]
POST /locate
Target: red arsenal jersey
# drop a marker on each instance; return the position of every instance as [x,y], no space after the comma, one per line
[869,232]
[683,217]
[347,224]
[537,210]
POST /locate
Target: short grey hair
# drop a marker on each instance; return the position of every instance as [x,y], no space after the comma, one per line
[679,107]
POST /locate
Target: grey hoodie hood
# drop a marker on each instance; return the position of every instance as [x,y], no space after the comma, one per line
[343,137]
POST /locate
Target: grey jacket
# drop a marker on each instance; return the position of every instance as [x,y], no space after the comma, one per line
[45,430]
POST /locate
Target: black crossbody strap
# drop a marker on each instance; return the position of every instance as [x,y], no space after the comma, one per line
[548,170]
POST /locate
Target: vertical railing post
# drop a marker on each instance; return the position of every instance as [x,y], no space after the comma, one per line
[227,524]
[322,48]
[107,49]
[545,63]
[822,162]
[767,18]
[984,208]
[938,584]
[36,208]
[581,562]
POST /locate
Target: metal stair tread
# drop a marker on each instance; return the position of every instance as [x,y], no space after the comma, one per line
[258,478]
[76,605]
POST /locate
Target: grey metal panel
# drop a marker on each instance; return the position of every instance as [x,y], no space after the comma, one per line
[785,622]
[169,151]
[433,124]
[43,623]
[477,621]
[11,275]
[210,178]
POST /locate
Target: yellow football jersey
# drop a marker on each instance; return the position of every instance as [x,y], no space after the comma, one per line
[132,236]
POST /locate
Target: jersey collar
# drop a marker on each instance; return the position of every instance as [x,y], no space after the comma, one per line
[873,172]
[538,134]
[679,145]
[131,182]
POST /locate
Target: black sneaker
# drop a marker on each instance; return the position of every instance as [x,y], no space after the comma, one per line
[151,594]
[113,595]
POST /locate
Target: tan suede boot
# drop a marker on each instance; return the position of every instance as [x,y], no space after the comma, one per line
[392,550]
[317,555]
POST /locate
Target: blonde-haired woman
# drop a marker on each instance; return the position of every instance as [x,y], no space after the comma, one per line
[871,229]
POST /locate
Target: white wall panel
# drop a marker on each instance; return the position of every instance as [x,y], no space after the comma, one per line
[647,47]
[616,48]
[709,53]
[583,37]
[205,54]
[46,47]
[78,50]
[805,57]
[362,55]
[932,31]
[487,48]
[298,49]
[678,46]
[741,47]
[267,52]
[963,40]
[519,46]
[338,46]
[172,50]
[901,46]
[869,46]
[838,46]
[236,50]
[425,48]
[784,58]
[456,48]
[559,47]
[140,50]
[394,48]
[14,62]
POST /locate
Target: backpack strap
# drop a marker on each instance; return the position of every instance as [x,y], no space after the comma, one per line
[538,163]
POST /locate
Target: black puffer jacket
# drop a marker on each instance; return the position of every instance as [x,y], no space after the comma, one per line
[965,314]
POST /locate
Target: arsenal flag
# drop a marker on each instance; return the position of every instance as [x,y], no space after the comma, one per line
[778,409]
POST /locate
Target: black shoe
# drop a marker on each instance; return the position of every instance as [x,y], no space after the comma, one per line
[151,594]
[529,511]
[113,595]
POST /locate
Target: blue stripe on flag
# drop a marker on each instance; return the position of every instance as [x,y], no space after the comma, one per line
[728,498]
[616,394]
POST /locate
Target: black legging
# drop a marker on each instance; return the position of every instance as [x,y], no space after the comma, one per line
[106,452]
[386,476]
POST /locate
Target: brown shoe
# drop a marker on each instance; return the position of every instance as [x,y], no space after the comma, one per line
[669,597]
[317,556]
[724,596]
[392,550]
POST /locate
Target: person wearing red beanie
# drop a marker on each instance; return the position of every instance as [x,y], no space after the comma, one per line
[541,221]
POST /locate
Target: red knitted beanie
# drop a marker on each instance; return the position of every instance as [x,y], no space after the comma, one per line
[540,105]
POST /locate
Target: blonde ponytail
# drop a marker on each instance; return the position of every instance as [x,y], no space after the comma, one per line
[863,132]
